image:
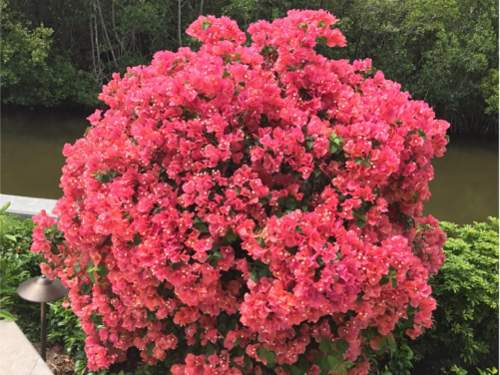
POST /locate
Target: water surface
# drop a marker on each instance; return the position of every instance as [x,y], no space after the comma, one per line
[31,151]
[465,187]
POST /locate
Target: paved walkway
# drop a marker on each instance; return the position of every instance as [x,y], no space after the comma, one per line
[17,355]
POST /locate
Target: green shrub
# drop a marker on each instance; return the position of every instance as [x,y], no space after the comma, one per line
[17,264]
[465,334]
[464,339]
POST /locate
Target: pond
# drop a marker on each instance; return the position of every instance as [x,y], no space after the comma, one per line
[465,188]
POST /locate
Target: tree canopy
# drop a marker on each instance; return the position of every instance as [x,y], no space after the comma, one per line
[443,51]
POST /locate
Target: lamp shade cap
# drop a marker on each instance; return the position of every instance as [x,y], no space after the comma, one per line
[41,289]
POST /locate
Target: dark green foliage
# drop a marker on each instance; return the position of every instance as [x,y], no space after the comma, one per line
[105,176]
[336,143]
[33,72]
[65,329]
[259,270]
[397,360]
[268,356]
[332,357]
[442,51]
[466,288]
[17,264]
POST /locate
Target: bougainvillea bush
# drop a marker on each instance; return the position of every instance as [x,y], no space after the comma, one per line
[251,207]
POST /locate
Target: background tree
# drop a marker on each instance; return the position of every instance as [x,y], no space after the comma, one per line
[443,51]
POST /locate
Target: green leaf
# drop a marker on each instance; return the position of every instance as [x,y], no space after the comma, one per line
[226,322]
[341,346]
[230,237]
[214,257]
[261,241]
[106,175]
[388,343]
[137,239]
[10,237]
[334,362]
[321,40]
[391,276]
[309,143]
[206,24]
[101,270]
[200,225]
[288,204]
[90,271]
[267,355]
[325,345]
[257,270]
[85,288]
[394,283]
[336,143]
[149,348]
[97,320]
[268,50]
[363,161]
[4,208]
[5,315]
[54,235]
[188,114]
[360,217]
[332,356]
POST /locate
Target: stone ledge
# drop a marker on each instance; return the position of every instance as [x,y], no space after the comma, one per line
[27,206]
[17,355]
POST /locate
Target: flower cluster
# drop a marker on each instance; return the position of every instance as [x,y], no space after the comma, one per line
[249,206]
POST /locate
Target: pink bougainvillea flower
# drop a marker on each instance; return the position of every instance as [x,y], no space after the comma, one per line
[251,206]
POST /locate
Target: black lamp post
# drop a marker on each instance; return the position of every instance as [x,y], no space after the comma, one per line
[40,289]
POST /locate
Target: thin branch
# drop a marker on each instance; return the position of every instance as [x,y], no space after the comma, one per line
[106,35]
[96,41]
[113,26]
[179,22]
[92,45]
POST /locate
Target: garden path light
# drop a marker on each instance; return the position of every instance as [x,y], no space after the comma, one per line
[42,290]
